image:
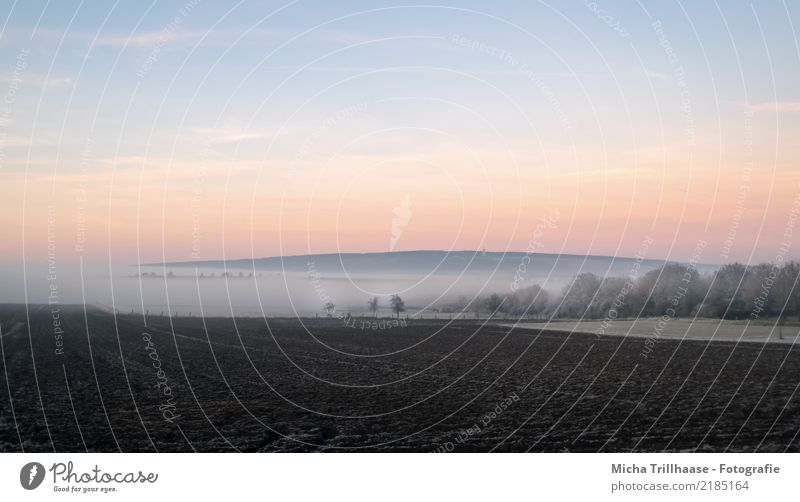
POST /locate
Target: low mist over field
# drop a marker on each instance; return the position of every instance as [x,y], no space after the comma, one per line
[302,285]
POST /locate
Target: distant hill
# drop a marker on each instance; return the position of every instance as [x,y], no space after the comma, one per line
[434,262]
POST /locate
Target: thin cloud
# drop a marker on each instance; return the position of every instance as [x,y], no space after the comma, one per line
[178,36]
[656,75]
[221,37]
[58,83]
[12,141]
[39,81]
[152,39]
[775,107]
[225,135]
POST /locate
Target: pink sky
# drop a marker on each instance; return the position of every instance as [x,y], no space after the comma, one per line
[347,205]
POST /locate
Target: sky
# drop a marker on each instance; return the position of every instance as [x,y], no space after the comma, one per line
[139,132]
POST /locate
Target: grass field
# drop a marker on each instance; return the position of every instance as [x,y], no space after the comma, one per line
[319,385]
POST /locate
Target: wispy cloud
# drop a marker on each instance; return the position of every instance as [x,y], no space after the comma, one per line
[58,83]
[775,107]
[655,75]
[179,36]
[228,134]
[39,81]
[153,38]
[184,37]
[16,141]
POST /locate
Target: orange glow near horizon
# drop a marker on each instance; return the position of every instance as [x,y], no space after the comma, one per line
[352,209]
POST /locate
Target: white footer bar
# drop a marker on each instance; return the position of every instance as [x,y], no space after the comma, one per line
[400,477]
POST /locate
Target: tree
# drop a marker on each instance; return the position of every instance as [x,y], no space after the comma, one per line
[674,286]
[576,298]
[531,300]
[612,299]
[494,303]
[725,298]
[761,290]
[787,289]
[373,306]
[329,308]
[398,305]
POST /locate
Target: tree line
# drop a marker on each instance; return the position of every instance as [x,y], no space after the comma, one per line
[734,291]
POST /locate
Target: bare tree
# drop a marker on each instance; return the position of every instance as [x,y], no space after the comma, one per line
[475,306]
[373,306]
[577,297]
[531,300]
[787,289]
[725,298]
[398,305]
[494,303]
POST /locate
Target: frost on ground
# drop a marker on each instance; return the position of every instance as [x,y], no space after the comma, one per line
[676,329]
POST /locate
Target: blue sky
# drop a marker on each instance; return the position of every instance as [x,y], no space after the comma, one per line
[567,44]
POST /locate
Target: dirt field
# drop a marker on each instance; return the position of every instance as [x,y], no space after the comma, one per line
[185,384]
